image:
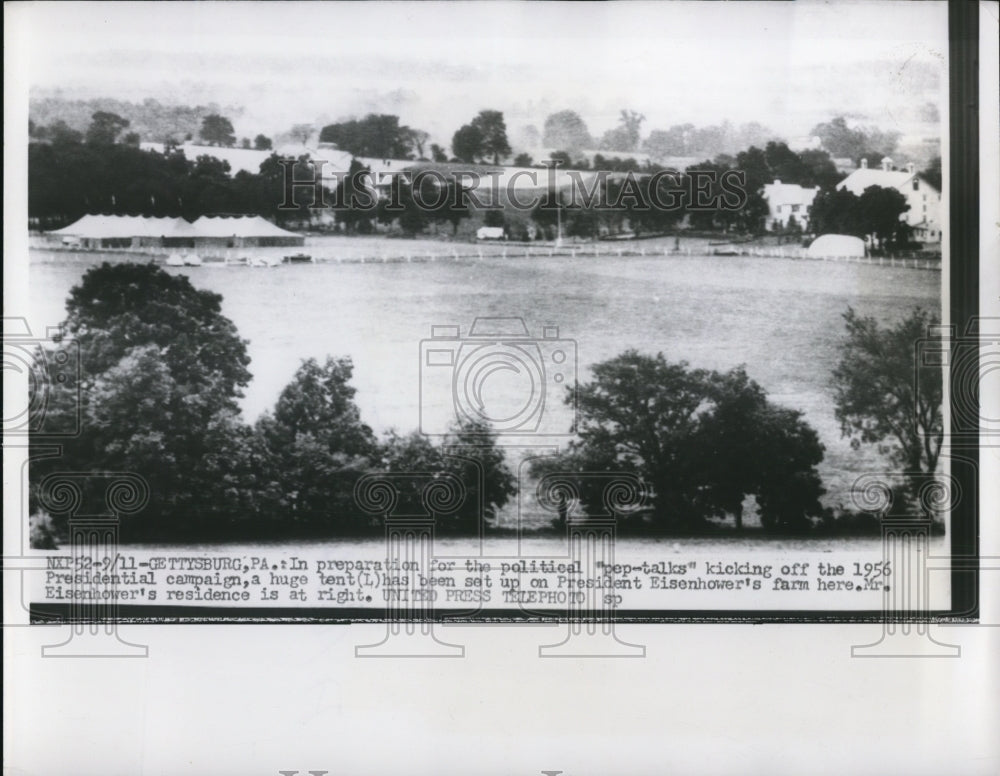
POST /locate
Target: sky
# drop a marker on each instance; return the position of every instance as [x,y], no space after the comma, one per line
[784,65]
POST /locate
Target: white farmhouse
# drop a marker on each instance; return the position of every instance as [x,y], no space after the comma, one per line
[786,201]
[924,215]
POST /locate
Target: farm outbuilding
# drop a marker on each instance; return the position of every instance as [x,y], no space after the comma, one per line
[490,233]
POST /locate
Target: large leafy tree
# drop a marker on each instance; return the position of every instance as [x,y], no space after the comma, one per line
[161,369]
[819,169]
[59,132]
[836,211]
[471,459]
[560,159]
[625,137]
[404,207]
[855,143]
[468,143]
[659,206]
[105,127]
[354,201]
[754,163]
[315,448]
[746,445]
[485,136]
[885,398]
[417,139]
[701,441]
[663,143]
[377,135]
[568,131]
[451,206]
[706,176]
[876,213]
[784,164]
[425,200]
[553,210]
[217,130]
[881,208]
[493,129]
[284,190]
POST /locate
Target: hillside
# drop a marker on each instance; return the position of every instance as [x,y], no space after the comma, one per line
[153,120]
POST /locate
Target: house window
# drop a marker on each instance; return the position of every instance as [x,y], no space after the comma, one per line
[916,185]
[795,208]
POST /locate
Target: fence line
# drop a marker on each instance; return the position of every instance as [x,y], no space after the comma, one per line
[529,252]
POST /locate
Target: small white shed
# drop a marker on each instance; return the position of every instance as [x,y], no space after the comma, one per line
[490,233]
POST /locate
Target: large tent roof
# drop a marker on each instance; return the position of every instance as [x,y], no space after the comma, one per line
[238,226]
[108,227]
[105,227]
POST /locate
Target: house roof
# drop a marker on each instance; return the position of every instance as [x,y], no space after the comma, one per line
[861,179]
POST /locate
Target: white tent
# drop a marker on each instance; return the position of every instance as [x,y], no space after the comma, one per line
[100,227]
[145,231]
[101,231]
[238,226]
[836,246]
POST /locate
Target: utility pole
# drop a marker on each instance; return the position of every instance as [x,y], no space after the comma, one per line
[559,241]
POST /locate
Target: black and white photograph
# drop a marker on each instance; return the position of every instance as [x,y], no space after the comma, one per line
[507,309]
[416,316]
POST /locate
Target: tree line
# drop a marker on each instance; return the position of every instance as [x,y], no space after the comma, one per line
[485,137]
[150,119]
[68,180]
[567,131]
[161,371]
[103,170]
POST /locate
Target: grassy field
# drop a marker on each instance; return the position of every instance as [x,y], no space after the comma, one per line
[779,317]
